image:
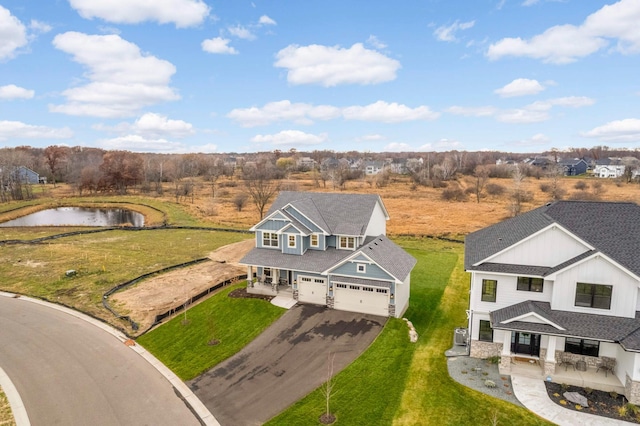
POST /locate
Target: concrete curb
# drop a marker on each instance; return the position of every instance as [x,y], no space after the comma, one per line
[196,405]
[15,402]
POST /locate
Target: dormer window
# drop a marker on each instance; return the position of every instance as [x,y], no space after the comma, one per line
[291,241]
[270,239]
[348,243]
[315,240]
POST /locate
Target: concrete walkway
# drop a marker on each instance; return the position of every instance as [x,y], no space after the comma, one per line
[532,393]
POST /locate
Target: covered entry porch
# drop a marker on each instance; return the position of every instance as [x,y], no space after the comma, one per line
[269,281]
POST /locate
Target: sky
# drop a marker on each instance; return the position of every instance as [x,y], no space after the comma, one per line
[204,76]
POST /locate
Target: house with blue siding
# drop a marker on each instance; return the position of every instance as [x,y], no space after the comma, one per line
[330,249]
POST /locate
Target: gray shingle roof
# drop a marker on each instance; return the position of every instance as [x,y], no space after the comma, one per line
[613,228]
[625,331]
[389,256]
[338,214]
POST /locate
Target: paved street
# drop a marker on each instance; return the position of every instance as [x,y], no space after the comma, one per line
[69,372]
[284,363]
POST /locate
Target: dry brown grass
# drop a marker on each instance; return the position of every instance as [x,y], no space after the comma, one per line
[414,210]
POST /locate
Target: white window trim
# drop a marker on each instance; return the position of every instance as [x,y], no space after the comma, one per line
[361,268]
[317,240]
[346,247]
[289,241]
[270,233]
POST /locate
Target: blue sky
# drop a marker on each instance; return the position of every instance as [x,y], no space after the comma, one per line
[177,76]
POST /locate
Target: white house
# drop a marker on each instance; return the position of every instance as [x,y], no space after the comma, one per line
[609,170]
[330,249]
[559,283]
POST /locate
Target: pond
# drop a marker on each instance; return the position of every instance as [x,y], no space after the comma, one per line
[79,216]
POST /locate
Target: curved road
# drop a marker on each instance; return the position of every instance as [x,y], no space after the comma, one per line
[70,372]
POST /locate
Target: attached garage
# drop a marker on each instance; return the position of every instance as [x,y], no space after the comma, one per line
[361,298]
[312,290]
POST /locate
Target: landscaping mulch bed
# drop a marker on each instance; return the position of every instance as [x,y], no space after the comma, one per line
[606,404]
[242,292]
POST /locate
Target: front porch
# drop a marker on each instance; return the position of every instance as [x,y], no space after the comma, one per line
[272,282]
[566,374]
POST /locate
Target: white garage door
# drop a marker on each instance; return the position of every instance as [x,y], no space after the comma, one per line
[362,298]
[312,290]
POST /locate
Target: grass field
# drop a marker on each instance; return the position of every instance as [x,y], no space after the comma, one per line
[185,346]
[6,417]
[102,260]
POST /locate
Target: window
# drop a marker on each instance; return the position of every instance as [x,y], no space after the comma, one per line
[530,284]
[489,289]
[315,242]
[486,332]
[347,242]
[593,295]
[267,272]
[582,346]
[270,239]
[292,241]
[341,285]
[362,268]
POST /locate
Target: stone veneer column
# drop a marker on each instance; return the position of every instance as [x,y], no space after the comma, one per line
[550,357]
[330,302]
[632,390]
[392,310]
[505,355]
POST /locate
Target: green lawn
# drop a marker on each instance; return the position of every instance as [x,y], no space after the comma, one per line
[184,346]
[396,382]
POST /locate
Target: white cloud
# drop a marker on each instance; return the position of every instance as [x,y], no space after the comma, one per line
[529,2]
[302,113]
[372,137]
[627,130]
[18,130]
[137,143]
[539,139]
[13,34]
[375,42]
[563,44]
[485,111]
[122,80]
[385,112]
[151,125]
[520,87]
[265,20]
[522,116]
[568,101]
[299,113]
[183,13]
[291,137]
[218,45]
[448,33]
[441,145]
[39,27]
[333,65]
[397,147]
[241,32]
[11,91]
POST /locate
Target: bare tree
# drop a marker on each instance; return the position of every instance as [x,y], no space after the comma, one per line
[240,200]
[328,391]
[555,173]
[260,186]
[481,175]
[53,156]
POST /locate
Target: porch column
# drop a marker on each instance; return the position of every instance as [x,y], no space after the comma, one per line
[550,356]
[505,355]
[249,277]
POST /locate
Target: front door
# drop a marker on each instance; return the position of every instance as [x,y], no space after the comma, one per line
[525,343]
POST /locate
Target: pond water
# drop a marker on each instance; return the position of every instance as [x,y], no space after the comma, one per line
[79,216]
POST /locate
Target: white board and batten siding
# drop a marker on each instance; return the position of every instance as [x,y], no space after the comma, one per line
[507,292]
[312,289]
[377,223]
[597,270]
[549,248]
[361,298]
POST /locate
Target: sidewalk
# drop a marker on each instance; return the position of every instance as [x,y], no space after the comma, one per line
[532,393]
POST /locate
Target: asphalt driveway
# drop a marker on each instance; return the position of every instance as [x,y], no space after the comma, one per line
[284,363]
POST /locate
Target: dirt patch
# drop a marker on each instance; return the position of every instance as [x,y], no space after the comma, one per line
[606,404]
[163,292]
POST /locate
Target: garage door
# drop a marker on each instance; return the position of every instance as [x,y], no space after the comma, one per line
[312,290]
[362,298]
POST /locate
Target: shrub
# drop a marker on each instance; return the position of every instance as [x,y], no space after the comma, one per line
[563,402]
[633,409]
[581,185]
[622,411]
[494,359]
[494,189]
[588,391]
[613,394]
[453,194]
[545,187]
